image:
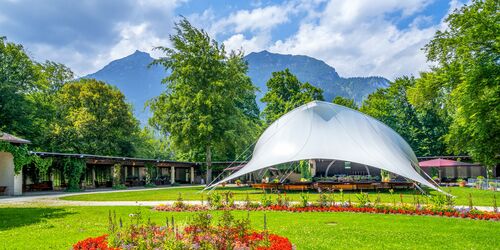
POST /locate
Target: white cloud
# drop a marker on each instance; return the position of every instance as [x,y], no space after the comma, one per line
[240,42]
[358,39]
[256,19]
[85,48]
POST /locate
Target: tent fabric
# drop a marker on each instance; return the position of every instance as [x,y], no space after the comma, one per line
[443,163]
[322,130]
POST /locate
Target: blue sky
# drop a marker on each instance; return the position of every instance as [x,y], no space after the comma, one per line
[357,37]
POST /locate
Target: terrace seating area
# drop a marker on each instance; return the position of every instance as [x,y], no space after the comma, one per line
[304,186]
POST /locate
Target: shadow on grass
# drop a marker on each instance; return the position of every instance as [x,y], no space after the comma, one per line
[12,217]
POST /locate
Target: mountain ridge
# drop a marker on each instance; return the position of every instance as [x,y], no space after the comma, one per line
[140,82]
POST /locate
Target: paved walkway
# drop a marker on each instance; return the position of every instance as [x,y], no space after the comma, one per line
[52,199]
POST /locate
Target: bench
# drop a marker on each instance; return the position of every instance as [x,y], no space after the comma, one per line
[42,186]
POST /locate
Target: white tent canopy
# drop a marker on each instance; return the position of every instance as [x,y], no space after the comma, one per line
[321,130]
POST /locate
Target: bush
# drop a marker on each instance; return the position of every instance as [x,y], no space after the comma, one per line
[119,187]
[150,185]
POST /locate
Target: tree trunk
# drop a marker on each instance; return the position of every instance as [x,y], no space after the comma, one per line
[209,165]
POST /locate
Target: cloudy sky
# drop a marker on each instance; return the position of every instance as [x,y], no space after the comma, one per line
[357,37]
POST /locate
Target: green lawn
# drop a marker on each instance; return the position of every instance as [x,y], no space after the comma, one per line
[479,197]
[59,228]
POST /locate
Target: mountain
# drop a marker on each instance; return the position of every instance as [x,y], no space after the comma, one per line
[140,83]
[316,72]
[133,76]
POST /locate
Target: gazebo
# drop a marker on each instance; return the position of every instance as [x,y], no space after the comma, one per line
[322,130]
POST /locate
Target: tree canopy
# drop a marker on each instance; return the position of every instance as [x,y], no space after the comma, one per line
[347,102]
[18,76]
[210,101]
[93,117]
[286,92]
[464,84]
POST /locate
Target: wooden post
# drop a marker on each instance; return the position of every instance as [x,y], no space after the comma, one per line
[191,171]
[209,165]
[172,175]
[93,176]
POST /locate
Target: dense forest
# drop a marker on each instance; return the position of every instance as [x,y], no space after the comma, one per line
[208,110]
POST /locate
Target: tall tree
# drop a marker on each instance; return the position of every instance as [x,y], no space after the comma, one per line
[392,107]
[209,104]
[18,75]
[467,54]
[286,92]
[51,77]
[93,118]
[347,102]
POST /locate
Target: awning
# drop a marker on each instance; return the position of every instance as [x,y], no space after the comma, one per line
[444,163]
[323,130]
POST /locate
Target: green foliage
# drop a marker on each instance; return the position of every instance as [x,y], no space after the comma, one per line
[150,144]
[465,80]
[304,199]
[17,79]
[116,172]
[305,230]
[285,93]
[93,117]
[20,153]
[27,93]
[266,200]
[391,106]
[305,170]
[363,199]
[73,169]
[23,157]
[119,187]
[214,200]
[150,168]
[346,102]
[210,103]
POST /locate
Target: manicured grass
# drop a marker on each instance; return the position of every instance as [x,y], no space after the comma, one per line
[479,197]
[59,228]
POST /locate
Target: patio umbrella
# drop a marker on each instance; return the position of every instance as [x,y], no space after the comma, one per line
[443,163]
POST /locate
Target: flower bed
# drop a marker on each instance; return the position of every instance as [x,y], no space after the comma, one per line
[381,209]
[200,234]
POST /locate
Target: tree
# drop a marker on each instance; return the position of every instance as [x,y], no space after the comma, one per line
[93,118]
[51,78]
[392,107]
[466,79]
[18,75]
[347,102]
[27,91]
[286,92]
[150,144]
[209,104]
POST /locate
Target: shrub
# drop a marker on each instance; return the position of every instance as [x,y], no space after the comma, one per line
[265,200]
[363,199]
[304,199]
[150,185]
[119,187]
